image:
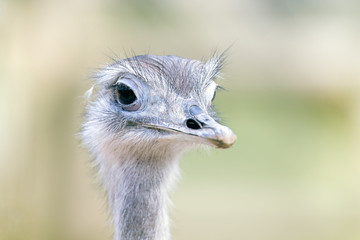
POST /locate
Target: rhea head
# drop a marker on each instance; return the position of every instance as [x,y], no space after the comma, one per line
[158,102]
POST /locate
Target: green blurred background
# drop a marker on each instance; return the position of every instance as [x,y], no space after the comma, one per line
[293,75]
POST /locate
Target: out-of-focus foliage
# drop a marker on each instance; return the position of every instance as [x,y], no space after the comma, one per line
[293,80]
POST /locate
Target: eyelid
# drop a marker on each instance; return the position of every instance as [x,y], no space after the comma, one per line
[126,80]
[210,92]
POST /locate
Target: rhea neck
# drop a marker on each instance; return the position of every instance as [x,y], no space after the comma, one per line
[137,182]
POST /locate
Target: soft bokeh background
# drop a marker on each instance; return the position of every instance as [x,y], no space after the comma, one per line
[293,75]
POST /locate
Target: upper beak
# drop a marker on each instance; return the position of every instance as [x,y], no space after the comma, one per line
[219,135]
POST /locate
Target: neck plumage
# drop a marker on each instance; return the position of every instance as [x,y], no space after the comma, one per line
[137,189]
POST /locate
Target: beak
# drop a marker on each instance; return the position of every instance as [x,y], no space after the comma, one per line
[202,125]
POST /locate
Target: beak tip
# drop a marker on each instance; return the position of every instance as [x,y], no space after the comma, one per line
[226,140]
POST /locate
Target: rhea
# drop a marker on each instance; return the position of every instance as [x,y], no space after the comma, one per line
[147,111]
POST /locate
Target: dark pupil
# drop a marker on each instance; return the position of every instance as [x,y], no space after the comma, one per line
[125,95]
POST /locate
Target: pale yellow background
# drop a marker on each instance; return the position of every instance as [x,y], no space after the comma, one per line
[293,75]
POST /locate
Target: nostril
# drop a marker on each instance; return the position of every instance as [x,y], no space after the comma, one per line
[191,123]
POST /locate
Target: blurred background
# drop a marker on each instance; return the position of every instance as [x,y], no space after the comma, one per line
[293,75]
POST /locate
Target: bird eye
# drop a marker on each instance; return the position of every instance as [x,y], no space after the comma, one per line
[126,97]
[125,94]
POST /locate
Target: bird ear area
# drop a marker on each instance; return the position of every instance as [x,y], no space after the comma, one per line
[127,94]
